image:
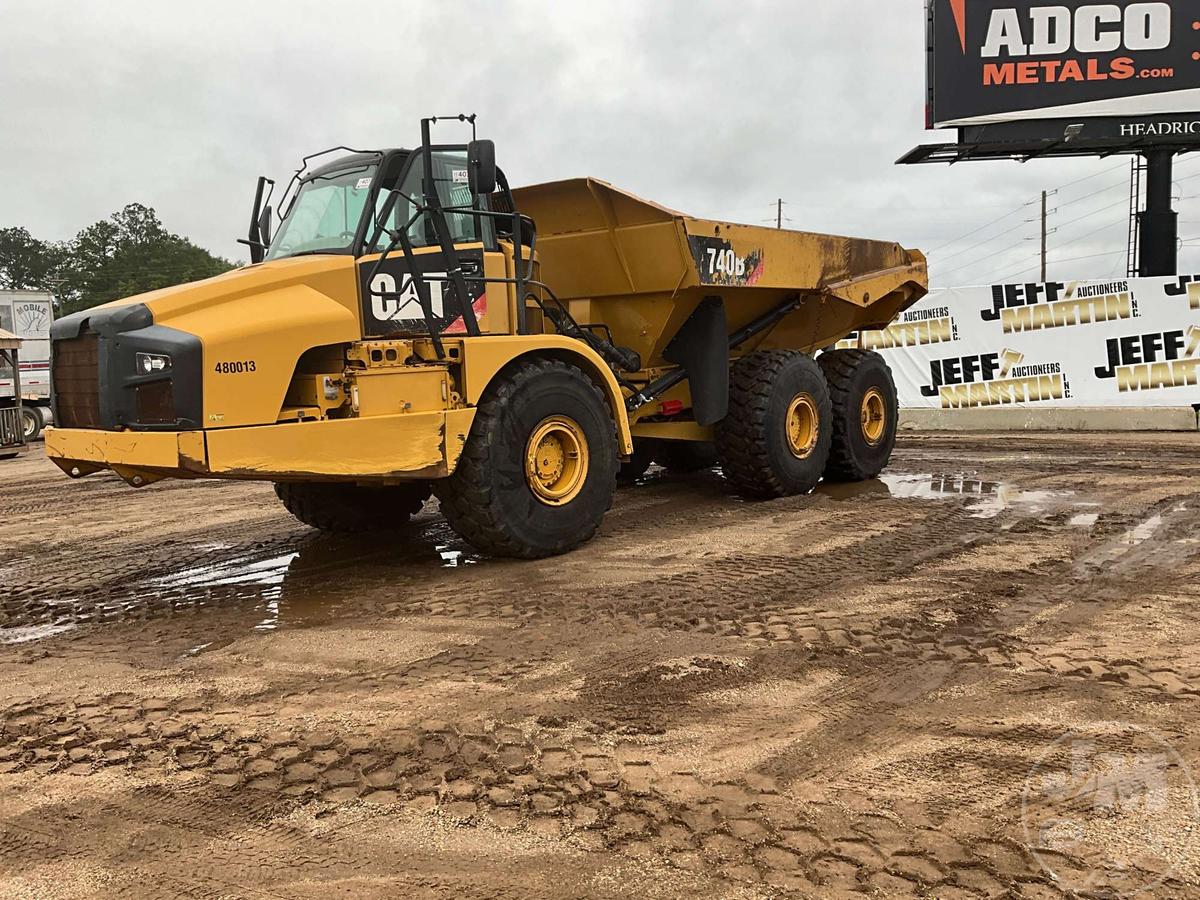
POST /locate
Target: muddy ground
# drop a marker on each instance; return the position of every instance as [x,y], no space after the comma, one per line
[978,677]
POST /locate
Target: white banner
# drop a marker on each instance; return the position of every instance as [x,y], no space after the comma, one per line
[1126,343]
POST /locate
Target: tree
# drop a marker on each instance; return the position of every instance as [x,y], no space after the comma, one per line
[130,253]
[126,254]
[26,263]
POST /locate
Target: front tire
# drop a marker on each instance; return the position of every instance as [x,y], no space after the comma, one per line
[349,508]
[865,413]
[540,467]
[775,440]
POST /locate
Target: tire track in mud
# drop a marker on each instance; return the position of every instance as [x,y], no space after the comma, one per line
[590,770]
[906,659]
[558,783]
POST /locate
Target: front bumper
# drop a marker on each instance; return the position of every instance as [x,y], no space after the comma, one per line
[375,449]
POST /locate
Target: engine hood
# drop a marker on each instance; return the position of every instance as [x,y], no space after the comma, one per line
[255,321]
[236,285]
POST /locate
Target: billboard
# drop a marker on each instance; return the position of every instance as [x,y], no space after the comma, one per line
[1123,343]
[993,61]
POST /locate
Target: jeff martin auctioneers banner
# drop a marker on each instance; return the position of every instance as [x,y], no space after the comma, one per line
[1126,343]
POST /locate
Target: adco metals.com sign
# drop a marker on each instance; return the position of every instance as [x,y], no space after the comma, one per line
[1007,60]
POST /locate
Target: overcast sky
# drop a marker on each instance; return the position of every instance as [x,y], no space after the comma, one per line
[712,108]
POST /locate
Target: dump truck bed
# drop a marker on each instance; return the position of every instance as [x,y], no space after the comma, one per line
[641,269]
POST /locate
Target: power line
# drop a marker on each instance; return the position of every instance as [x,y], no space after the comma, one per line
[1094,212]
[1056,190]
[1089,177]
[1062,244]
[981,259]
[1071,259]
[980,244]
[986,225]
[1110,187]
[1083,237]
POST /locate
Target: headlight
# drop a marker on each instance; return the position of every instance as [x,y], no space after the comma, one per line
[149,363]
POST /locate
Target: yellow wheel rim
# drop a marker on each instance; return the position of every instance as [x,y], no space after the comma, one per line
[556,460]
[874,416]
[803,425]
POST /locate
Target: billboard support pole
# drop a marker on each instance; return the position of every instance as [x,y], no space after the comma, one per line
[1158,224]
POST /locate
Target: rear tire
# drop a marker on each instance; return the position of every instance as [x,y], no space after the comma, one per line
[349,508]
[540,467]
[685,457]
[865,411]
[775,439]
[31,423]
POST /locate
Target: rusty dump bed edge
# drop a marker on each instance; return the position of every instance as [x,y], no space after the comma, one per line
[642,268]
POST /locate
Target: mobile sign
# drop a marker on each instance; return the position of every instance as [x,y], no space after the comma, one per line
[996,61]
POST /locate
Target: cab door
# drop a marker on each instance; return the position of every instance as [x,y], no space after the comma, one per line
[387,291]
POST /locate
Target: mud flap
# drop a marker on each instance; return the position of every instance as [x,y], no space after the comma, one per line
[701,346]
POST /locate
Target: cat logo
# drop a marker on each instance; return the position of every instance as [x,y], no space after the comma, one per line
[389,304]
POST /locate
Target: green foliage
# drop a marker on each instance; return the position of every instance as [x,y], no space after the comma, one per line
[26,263]
[129,253]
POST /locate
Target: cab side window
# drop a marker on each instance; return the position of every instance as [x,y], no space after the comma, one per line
[450,177]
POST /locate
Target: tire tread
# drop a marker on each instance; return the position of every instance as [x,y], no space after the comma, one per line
[840,367]
[466,496]
[323,506]
[744,459]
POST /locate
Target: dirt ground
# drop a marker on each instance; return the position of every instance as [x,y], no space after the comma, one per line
[979,676]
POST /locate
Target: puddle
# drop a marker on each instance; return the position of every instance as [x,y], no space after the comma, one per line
[1142,532]
[229,572]
[271,622]
[214,545]
[1083,520]
[983,499]
[23,634]
[656,474]
[264,586]
[848,490]
[452,558]
[1145,542]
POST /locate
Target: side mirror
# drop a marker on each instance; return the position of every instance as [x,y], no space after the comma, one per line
[264,226]
[481,167]
[257,239]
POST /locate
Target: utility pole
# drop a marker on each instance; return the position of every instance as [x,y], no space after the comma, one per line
[1043,237]
[779,213]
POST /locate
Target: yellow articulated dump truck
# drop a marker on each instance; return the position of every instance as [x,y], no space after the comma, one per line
[414,327]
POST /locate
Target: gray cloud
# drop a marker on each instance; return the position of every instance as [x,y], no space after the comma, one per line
[712,108]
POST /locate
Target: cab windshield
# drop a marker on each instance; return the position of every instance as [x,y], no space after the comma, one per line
[326,213]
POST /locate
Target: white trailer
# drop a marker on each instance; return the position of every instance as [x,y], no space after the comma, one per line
[28,315]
